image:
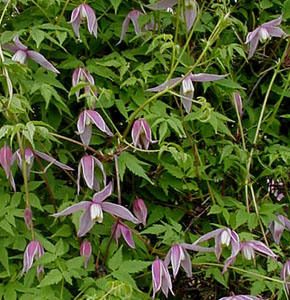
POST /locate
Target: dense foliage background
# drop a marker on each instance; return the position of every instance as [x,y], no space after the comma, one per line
[207,169]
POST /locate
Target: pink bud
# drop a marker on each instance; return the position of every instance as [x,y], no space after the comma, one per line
[86,251]
[140,210]
[141,134]
[28,217]
[33,249]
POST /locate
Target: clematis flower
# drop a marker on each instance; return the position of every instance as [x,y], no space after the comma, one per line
[179,257]
[120,228]
[264,32]
[87,165]
[82,75]
[141,134]
[277,227]
[94,211]
[21,54]
[33,249]
[86,251]
[241,297]
[140,210]
[6,161]
[29,159]
[239,103]
[28,217]
[276,187]
[187,88]
[81,12]
[84,125]
[190,8]
[161,278]
[248,250]
[285,275]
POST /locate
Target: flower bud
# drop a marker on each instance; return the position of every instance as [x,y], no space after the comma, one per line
[86,251]
[140,210]
[28,217]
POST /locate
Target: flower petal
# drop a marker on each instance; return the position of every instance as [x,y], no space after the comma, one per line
[127,235]
[41,60]
[156,276]
[103,194]
[272,23]
[91,20]
[87,163]
[162,5]
[190,16]
[86,223]
[186,264]
[98,121]
[164,85]
[277,32]
[253,46]
[73,208]
[18,44]
[176,259]
[204,77]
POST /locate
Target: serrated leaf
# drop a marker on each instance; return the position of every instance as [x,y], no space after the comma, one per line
[4,258]
[53,277]
[38,36]
[6,226]
[125,277]
[241,218]
[134,266]
[115,262]
[45,259]
[64,231]
[155,229]
[115,4]
[215,209]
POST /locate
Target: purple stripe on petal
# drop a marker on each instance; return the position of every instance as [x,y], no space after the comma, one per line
[73,208]
[156,276]
[87,163]
[10,47]
[127,235]
[176,253]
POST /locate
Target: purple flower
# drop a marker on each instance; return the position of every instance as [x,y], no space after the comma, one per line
[239,102]
[248,250]
[29,159]
[82,75]
[140,210]
[285,275]
[28,217]
[187,88]
[86,251]
[33,249]
[277,227]
[6,161]
[263,33]
[179,257]
[276,187]
[120,228]
[21,54]
[161,278]
[94,211]
[241,297]
[84,125]
[141,134]
[81,12]
[87,165]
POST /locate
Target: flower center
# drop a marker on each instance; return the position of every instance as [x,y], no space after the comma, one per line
[263,34]
[248,252]
[20,56]
[225,238]
[187,86]
[96,212]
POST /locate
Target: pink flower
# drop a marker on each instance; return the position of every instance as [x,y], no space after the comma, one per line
[33,249]
[6,161]
[239,102]
[87,165]
[285,275]
[264,32]
[120,228]
[241,297]
[82,75]
[141,134]
[28,217]
[84,125]
[86,251]
[140,210]
[94,211]
[277,227]
[81,12]
[21,54]
[161,278]
[187,88]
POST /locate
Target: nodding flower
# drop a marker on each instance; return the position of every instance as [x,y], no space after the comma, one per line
[84,11]
[140,210]
[277,227]
[82,75]
[141,134]
[6,161]
[263,33]
[86,251]
[119,228]
[33,249]
[21,54]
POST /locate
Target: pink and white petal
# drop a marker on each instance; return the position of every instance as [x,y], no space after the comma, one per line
[272,23]
[175,259]
[103,194]
[262,248]
[73,208]
[146,130]
[76,76]
[190,16]
[127,235]
[12,182]
[91,18]
[168,258]
[101,167]
[276,32]
[134,15]
[41,60]
[53,160]
[10,47]
[252,35]
[124,29]
[218,247]
[208,236]
[253,46]
[88,77]
[88,165]
[136,131]
[185,99]
[18,44]
[204,77]
[156,276]
[75,14]
[166,280]
[86,223]
[119,211]
[163,5]
[76,25]
[99,121]
[81,124]
[186,264]
[79,178]
[86,135]
[164,85]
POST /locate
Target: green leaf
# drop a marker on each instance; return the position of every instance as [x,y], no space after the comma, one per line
[53,277]
[229,83]
[134,266]
[115,4]
[34,201]
[38,36]
[6,226]
[115,262]
[155,229]
[4,258]
[241,218]
[215,209]
[125,277]
[217,275]
[45,259]
[64,231]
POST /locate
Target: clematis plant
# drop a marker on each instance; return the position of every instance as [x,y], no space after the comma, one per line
[86,251]
[161,278]
[29,159]
[33,250]
[21,54]
[82,75]
[87,165]
[84,11]
[187,88]
[140,210]
[248,250]
[84,125]
[285,275]
[120,228]
[277,227]
[263,33]
[141,134]
[6,161]
[276,187]
[241,297]
[94,211]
